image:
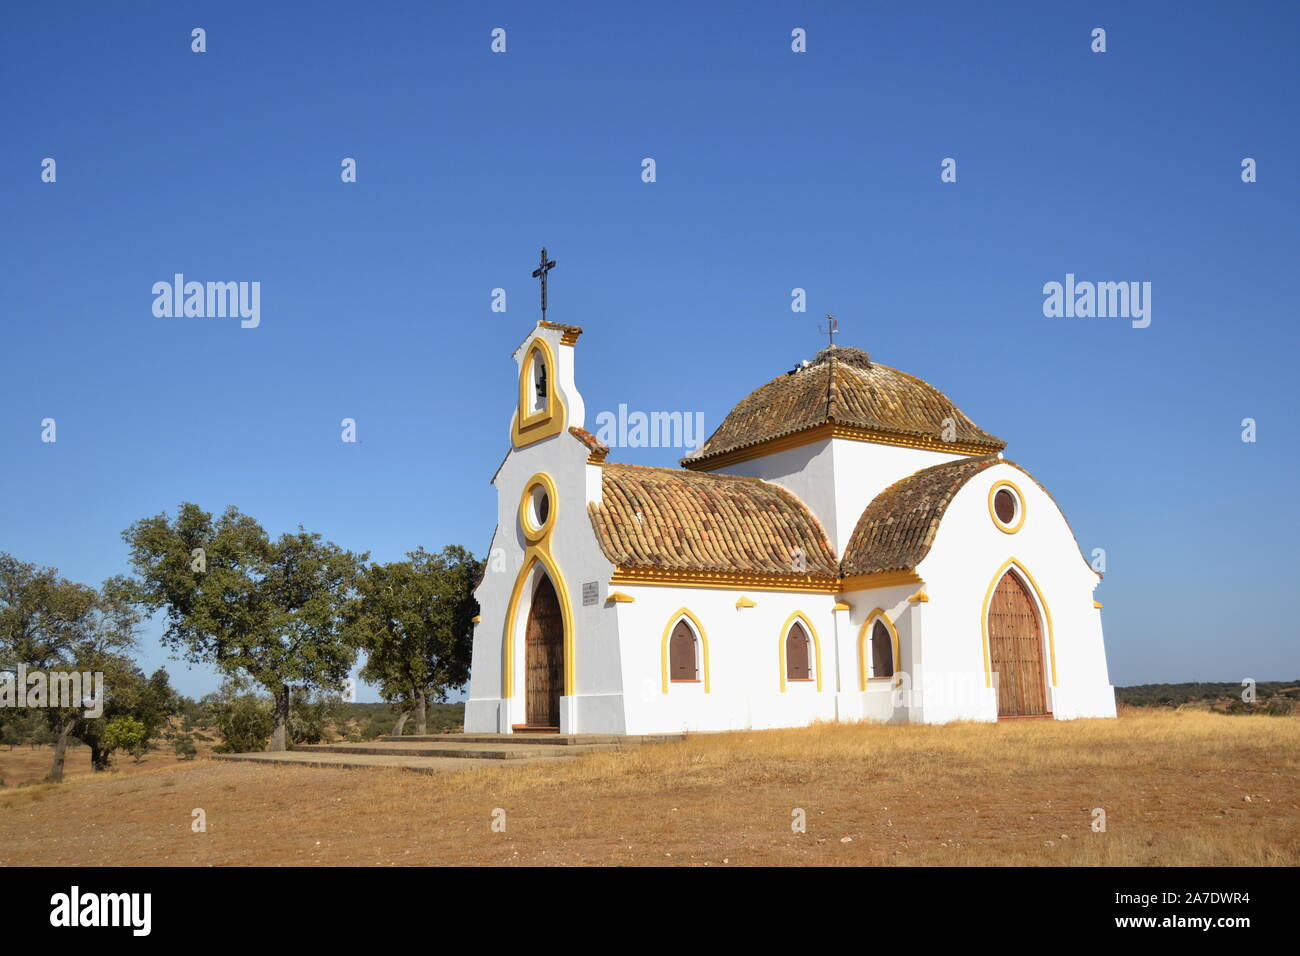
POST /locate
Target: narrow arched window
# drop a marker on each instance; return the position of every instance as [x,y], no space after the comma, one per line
[540,390]
[682,658]
[798,654]
[882,651]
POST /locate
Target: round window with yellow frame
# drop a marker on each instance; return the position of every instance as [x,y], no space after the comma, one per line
[537,507]
[1006,507]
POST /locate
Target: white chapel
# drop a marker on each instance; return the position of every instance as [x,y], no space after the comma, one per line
[847,545]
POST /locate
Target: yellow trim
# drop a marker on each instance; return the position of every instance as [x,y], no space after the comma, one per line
[535,533]
[920,597]
[1098,605]
[538,552]
[699,634]
[1021,508]
[862,646]
[1042,603]
[525,427]
[841,606]
[881,579]
[759,581]
[743,601]
[833,430]
[731,580]
[817,645]
[618,597]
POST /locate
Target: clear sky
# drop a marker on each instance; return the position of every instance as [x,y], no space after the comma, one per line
[775,170]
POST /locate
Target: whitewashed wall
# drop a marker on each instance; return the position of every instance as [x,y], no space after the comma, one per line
[597,704]
[967,553]
[837,478]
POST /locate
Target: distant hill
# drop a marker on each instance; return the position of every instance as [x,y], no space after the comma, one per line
[1271,697]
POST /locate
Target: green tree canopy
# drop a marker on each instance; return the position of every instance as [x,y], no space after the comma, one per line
[267,609]
[414,618]
[51,624]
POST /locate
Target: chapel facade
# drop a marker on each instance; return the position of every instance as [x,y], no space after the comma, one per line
[847,545]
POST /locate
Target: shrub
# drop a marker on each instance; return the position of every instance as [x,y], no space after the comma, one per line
[185,748]
[244,721]
[126,733]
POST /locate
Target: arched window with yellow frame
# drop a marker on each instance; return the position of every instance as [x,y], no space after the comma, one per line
[878,649]
[684,651]
[798,635]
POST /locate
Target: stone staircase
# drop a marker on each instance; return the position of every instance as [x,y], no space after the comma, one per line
[440,753]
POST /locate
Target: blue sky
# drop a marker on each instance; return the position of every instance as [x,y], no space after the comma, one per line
[775,170]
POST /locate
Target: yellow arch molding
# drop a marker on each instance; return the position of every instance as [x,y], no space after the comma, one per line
[1042,603]
[677,615]
[817,645]
[862,645]
[538,552]
[526,428]
[536,555]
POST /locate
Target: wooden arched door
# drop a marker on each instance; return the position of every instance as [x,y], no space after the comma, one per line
[544,657]
[1016,649]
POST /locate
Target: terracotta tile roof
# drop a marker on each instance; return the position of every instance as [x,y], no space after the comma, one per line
[844,387]
[697,521]
[896,530]
[594,445]
[546,324]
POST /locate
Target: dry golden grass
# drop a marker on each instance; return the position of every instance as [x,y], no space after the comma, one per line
[1175,788]
[24,764]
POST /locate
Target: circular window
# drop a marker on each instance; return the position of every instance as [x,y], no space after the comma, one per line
[541,505]
[537,507]
[1006,507]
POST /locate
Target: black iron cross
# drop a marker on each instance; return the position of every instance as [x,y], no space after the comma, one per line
[832,328]
[540,273]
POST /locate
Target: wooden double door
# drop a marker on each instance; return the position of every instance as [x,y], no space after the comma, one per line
[1016,649]
[544,657]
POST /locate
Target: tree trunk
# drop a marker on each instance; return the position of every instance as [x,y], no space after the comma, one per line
[60,751]
[98,757]
[401,723]
[281,725]
[421,727]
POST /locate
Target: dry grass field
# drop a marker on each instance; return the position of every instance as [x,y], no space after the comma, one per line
[1178,788]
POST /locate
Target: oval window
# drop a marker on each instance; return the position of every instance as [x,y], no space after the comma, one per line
[1006,507]
[1004,504]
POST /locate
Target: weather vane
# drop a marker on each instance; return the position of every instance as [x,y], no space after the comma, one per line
[540,273]
[832,327]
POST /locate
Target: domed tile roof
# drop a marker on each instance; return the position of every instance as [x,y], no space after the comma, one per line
[842,394]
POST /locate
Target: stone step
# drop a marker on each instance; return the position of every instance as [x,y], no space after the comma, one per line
[456,749]
[537,739]
[297,758]
[439,753]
